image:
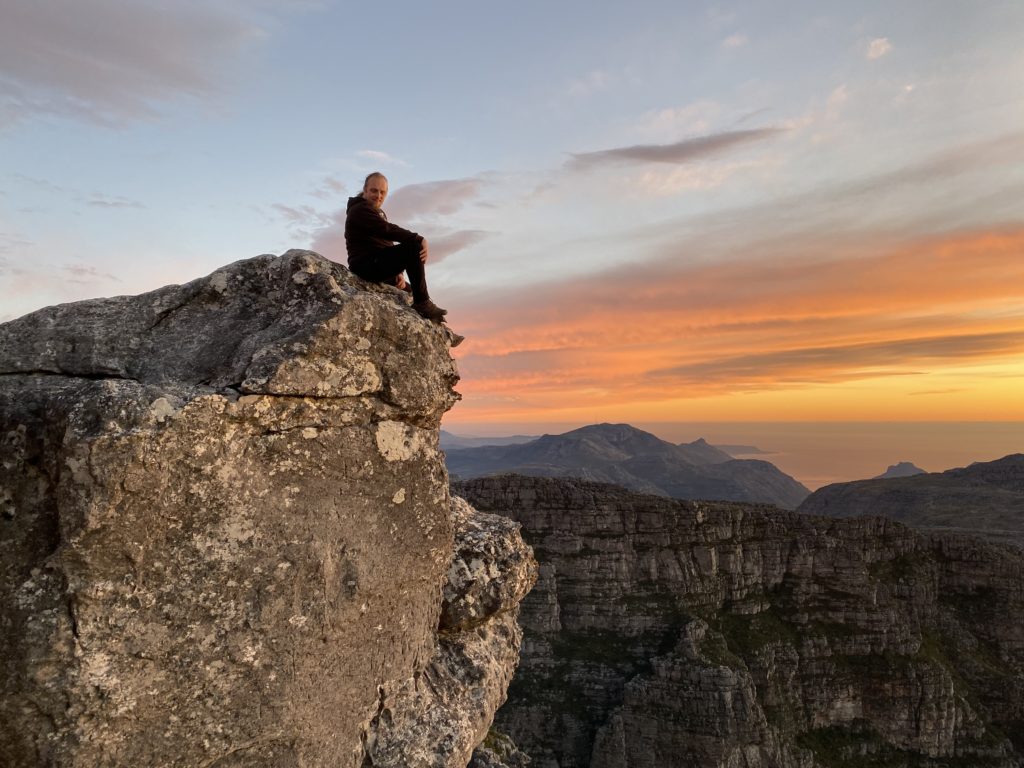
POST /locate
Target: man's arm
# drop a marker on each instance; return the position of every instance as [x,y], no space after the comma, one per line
[368,221]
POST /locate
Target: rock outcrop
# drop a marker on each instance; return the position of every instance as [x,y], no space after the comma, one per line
[985,499]
[227,538]
[664,632]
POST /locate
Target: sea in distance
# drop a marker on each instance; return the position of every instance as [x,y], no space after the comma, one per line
[819,453]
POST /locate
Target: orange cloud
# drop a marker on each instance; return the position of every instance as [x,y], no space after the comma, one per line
[772,321]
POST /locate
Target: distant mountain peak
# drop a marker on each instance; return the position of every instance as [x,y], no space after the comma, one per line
[633,458]
[902,469]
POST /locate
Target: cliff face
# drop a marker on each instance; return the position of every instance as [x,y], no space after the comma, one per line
[666,632]
[226,533]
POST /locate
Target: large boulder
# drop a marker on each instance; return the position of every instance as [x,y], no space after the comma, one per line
[225,527]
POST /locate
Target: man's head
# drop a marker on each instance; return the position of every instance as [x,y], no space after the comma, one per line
[375,189]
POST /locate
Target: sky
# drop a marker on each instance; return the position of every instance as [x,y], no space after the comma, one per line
[638,212]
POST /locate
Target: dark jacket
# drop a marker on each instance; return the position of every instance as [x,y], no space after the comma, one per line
[367,230]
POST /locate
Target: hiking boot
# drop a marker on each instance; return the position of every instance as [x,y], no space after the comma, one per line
[429,310]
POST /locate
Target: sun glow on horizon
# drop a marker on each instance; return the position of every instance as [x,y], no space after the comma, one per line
[927,330]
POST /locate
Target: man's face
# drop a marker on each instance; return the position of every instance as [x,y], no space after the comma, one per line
[375,191]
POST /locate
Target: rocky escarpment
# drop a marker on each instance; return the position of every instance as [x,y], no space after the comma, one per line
[227,537]
[666,632]
[985,499]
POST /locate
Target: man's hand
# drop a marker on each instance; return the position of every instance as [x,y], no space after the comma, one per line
[424,250]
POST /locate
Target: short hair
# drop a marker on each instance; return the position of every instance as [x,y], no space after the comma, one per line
[375,174]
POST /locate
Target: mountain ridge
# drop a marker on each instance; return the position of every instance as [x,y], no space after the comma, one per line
[638,460]
[984,499]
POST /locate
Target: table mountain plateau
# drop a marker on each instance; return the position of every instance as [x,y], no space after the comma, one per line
[227,538]
[726,635]
[985,499]
[634,459]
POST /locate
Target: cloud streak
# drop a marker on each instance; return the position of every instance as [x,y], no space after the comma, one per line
[680,152]
[111,62]
[841,362]
[444,245]
[768,324]
[416,202]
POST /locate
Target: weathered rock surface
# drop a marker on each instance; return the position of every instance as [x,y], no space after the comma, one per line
[437,717]
[225,532]
[673,633]
[985,499]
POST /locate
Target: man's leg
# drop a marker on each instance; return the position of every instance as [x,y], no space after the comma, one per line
[385,265]
[388,263]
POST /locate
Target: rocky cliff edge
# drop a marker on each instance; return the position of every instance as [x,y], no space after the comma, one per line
[226,536]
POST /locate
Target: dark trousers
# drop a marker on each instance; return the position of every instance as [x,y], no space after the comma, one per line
[385,265]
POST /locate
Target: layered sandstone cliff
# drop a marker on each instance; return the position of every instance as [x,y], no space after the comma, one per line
[674,633]
[227,537]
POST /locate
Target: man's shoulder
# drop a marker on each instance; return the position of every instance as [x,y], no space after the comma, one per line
[359,207]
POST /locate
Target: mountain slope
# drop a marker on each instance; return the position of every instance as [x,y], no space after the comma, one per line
[634,459]
[983,499]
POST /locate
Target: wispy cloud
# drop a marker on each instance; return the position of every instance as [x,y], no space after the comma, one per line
[43,184]
[10,242]
[94,199]
[684,151]
[98,200]
[735,41]
[381,157]
[111,62]
[592,82]
[844,362]
[444,245]
[84,274]
[304,215]
[719,17]
[836,101]
[303,221]
[865,277]
[329,188]
[877,48]
[432,198]
[690,119]
[771,322]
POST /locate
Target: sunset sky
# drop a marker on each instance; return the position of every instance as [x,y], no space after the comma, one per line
[639,212]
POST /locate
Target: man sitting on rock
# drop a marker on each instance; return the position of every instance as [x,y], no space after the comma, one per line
[372,250]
